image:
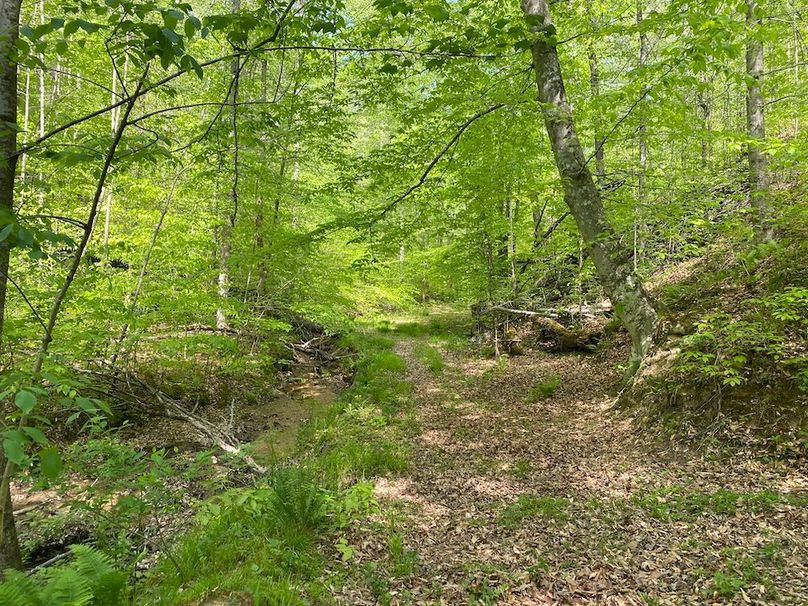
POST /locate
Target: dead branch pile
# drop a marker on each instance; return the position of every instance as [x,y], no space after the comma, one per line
[127,393]
[513,328]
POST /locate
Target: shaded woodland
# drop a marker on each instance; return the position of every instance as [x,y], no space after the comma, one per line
[396,302]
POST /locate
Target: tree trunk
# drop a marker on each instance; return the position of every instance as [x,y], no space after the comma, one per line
[228,229]
[755,125]
[9,31]
[40,179]
[642,146]
[612,261]
[594,89]
[9,533]
[704,98]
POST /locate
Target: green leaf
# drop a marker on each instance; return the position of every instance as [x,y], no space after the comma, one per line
[87,26]
[437,12]
[36,435]
[71,27]
[13,449]
[25,401]
[86,405]
[6,231]
[50,462]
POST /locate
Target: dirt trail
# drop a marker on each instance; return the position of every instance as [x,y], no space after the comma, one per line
[563,501]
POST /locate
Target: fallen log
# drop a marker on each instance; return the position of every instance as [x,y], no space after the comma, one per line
[588,310]
[566,339]
[546,325]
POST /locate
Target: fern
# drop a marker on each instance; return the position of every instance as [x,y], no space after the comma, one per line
[89,580]
[65,586]
[19,590]
[296,499]
[97,568]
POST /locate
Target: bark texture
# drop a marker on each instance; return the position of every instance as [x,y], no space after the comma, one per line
[612,261]
[755,124]
[9,31]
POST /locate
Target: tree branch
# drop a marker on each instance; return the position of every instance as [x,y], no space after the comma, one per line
[142,90]
[390,206]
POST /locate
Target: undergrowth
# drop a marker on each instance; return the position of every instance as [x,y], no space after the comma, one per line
[544,388]
[548,508]
[740,346]
[267,542]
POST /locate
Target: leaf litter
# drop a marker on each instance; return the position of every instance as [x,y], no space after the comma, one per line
[598,511]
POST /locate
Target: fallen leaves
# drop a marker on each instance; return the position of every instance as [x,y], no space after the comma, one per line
[483,444]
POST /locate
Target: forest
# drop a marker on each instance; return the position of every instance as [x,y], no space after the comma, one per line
[396,302]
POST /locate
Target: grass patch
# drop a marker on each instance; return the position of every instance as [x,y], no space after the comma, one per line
[431,357]
[499,368]
[738,575]
[544,388]
[551,509]
[521,468]
[677,503]
[485,584]
[403,561]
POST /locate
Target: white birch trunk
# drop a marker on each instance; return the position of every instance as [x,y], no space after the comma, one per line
[612,261]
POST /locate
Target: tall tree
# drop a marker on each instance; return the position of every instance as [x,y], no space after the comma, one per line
[642,143]
[755,124]
[594,89]
[612,261]
[9,31]
[229,226]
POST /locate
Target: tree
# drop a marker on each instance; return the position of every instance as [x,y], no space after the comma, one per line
[9,32]
[755,124]
[612,261]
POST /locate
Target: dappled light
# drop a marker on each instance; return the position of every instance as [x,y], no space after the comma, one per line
[398,302]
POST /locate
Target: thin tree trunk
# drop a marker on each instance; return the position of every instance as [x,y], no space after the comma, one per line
[704,98]
[796,74]
[108,189]
[40,181]
[755,125]
[133,298]
[25,121]
[594,89]
[9,31]
[612,261]
[228,229]
[259,217]
[642,147]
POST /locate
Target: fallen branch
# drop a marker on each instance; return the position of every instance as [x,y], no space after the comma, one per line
[170,408]
[573,310]
[51,562]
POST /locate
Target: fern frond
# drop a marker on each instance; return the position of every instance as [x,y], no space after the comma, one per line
[19,589]
[67,587]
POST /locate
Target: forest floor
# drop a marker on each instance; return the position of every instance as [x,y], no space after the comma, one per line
[513,497]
